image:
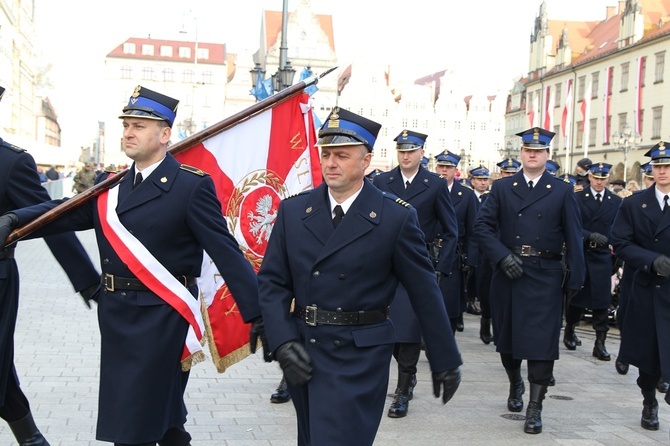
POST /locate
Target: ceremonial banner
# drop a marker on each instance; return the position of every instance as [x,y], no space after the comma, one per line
[606,104]
[639,84]
[586,117]
[254,165]
[566,119]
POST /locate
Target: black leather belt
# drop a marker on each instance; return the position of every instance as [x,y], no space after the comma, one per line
[7,253]
[529,251]
[316,316]
[112,283]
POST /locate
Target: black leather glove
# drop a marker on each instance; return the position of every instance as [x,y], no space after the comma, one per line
[511,266]
[7,224]
[447,382]
[466,268]
[295,362]
[570,293]
[661,265]
[91,293]
[599,239]
[257,332]
[439,275]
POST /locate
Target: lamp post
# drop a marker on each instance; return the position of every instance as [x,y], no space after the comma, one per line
[507,151]
[626,140]
[190,126]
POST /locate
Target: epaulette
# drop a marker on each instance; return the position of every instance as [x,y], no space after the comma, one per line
[297,195]
[402,202]
[194,170]
[12,147]
[486,192]
[467,186]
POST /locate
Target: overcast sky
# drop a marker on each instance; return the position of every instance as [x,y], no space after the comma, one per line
[488,39]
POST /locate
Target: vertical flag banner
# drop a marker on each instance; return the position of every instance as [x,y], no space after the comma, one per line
[586,116]
[534,111]
[566,118]
[638,94]
[606,105]
[254,165]
[549,108]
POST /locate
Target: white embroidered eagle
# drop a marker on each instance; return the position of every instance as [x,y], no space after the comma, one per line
[261,226]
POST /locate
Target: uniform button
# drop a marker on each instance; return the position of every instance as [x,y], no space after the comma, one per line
[336,343]
[123,295]
[316,274]
[656,240]
[539,215]
[312,341]
[658,286]
[517,237]
[106,261]
[537,239]
[520,214]
[343,276]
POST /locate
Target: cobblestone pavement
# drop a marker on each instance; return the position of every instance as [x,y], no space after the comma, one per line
[57,354]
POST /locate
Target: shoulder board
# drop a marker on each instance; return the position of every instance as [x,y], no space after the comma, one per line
[12,147]
[402,202]
[297,195]
[467,187]
[194,170]
[486,192]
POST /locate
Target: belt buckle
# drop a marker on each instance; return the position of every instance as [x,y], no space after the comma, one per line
[438,242]
[310,315]
[525,250]
[109,282]
[593,245]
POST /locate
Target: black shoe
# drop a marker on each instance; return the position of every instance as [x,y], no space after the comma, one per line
[281,395]
[569,338]
[533,424]
[599,350]
[516,390]
[459,323]
[649,419]
[472,309]
[621,367]
[26,433]
[662,386]
[485,330]
[400,405]
[552,381]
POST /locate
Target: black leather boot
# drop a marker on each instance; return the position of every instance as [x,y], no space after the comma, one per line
[599,350]
[471,308]
[649,419]
[281,395]
[412,385]
[459,323]
[533,424]
[621,367]
[485,330]
[662,386]
[516,390]
[26,433]
[569,337]
[400,405]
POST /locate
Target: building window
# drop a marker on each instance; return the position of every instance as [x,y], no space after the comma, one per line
[404,123]
[203,53]
[126,72]
[593,125]
[457,125]
[595,84]
[184,52]
[622,121]
[580,134]
[166,51]
[188,77]
[128,48]
[148,73]
[473,125]
[483,126]
[415,123]
[660,67]
[147,50]
[656,122]
[624,76]
[610,82]
[643,71]
[207,77]
[557,95]
[581,86]
[168,75]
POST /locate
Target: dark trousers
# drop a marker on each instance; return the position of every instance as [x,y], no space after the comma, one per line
[539,372]
[647,382]
[598,321]
[407,354]
[16,405]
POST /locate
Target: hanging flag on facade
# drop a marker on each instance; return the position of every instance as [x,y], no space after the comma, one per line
[254,165]
[533,113]
[606,104]
[549,110]
[566,118]
[639,84]
[586,117]
[304,74]
[263,88]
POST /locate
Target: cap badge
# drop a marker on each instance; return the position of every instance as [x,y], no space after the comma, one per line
[536,134]
[404,134]
[334,120]
[135,95]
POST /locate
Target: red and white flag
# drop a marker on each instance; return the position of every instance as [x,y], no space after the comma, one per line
[586,117]
[606,104]
[566,118]
[639,84]
[254,165]
[533,114]
[549,110]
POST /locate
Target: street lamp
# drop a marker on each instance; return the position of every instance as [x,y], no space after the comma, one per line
[283,78]
[626,141]
[255,72]
[507,151]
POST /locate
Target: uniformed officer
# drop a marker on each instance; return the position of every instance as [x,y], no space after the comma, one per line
[428,193]
[20,186]
[151,249]
[339,251]
[553,167]
[522,227]
[465,206]
[598,206]
[424,162]
[508,167]
[479,178]
[641,238]
[582,172]
[647,175]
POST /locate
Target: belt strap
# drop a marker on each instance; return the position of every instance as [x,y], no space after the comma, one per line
[316,316]
[529,251]
[112,283]
[7,253]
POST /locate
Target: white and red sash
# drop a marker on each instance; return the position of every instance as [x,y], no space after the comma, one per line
[153,275]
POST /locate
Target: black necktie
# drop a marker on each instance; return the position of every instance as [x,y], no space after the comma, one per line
[665,204]
[407,184]
[530,185]
[598,199]
[339,213]
[138,179]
